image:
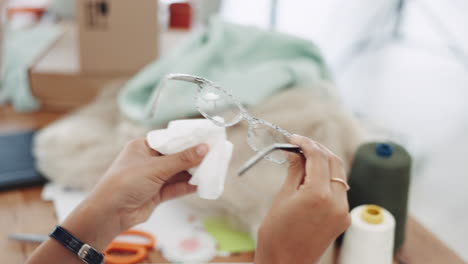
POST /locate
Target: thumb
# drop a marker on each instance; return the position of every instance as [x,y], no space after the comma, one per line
[170,165]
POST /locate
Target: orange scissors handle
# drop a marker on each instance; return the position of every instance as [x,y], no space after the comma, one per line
[135,252]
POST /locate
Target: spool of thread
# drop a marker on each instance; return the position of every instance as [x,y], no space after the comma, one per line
[380,175]
[369,239]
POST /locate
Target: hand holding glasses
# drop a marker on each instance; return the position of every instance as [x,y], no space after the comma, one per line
[219,106]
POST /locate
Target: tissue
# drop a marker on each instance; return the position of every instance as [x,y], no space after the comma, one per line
[210,175]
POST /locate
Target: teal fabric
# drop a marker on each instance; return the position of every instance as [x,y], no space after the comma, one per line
[251,63]
[21,48]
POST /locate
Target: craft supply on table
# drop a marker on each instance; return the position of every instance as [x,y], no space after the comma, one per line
[209,176]
[380,175]
[17,164]
[180,16]
[32,238]
[369,239]
[136,251]
[228,239]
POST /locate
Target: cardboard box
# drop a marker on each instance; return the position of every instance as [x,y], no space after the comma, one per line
[117,36]
[56,78]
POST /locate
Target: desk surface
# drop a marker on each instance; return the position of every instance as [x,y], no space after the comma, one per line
[23,211]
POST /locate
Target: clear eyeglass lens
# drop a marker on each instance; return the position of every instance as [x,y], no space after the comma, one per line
[217,105]
[261,136]
[178,108]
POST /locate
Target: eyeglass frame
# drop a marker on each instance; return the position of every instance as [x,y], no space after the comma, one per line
[244,115]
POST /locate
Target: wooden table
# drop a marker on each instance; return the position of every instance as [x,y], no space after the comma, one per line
[23,211]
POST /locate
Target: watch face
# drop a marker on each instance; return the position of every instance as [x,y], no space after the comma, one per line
[197,247]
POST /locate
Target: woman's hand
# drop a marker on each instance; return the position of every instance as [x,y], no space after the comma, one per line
[136,182]
[309,212]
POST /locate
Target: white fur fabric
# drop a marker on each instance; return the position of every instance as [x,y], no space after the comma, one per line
[76,150]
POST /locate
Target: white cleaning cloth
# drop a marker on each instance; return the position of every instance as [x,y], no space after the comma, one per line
[183,134]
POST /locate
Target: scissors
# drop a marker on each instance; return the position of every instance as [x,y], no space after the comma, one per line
[135,252]
[138,251]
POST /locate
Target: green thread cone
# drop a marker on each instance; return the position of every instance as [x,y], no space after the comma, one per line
[380,175]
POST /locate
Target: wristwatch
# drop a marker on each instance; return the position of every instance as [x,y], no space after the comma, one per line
[85,252]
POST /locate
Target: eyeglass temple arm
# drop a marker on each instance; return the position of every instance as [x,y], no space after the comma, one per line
[262,153]
[173,76]
[185,77]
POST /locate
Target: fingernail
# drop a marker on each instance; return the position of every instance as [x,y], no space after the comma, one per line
[202,150]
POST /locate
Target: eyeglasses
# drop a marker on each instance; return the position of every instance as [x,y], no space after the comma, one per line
[219,106]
